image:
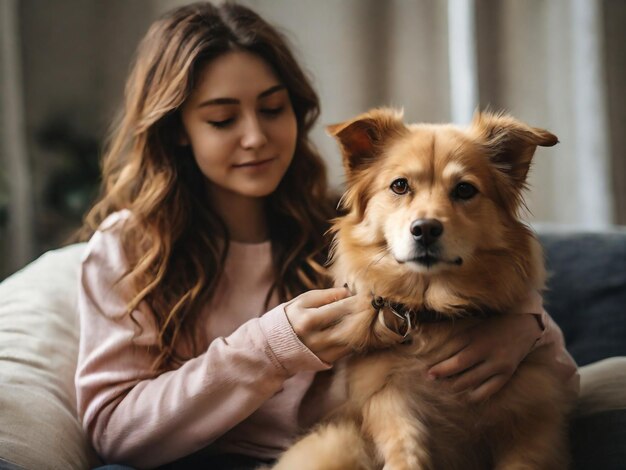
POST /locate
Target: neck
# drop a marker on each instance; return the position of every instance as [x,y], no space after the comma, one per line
[244,217]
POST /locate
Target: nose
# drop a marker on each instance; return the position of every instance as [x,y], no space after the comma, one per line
[426,231]
[254,136]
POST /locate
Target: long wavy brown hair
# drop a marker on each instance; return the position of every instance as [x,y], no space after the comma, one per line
[174,239]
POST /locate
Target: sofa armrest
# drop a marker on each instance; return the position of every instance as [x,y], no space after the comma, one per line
[602,387]
[38,351]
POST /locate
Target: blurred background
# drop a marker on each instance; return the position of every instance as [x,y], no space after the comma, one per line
[557,64]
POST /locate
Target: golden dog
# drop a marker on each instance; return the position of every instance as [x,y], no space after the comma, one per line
[432,238]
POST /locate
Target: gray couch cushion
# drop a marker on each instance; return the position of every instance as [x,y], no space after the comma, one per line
[587,291]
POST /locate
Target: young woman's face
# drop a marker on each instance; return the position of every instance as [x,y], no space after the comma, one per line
[241,126]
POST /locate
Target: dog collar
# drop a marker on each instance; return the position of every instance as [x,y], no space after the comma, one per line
[408,316]
[411,318]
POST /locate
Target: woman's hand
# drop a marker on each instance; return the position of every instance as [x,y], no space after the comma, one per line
[481,360]
[325,320]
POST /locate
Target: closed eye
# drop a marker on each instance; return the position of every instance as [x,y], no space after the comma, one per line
[269,112]
[222,124]
[273,111]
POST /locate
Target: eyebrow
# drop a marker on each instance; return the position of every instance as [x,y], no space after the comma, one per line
[263,94]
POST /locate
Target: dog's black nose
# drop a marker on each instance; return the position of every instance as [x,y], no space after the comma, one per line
[426,231]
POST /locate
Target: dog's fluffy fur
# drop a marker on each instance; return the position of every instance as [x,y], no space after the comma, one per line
[484,260]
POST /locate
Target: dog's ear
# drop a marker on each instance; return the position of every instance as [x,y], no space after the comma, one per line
[362,138]
[510,143]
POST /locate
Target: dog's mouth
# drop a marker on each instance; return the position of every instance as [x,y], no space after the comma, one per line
[429,260]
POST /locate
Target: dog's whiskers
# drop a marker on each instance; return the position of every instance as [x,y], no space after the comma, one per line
[376,261]
[414,286]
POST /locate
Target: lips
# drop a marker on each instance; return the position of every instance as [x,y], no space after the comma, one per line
[253,163]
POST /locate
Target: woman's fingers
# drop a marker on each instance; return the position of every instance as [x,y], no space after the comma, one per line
[462,360]
[498,340]
[336,312]
[480,381]
[315,310]
[450,349]
[470,378]
[319,297]
[325,319]
[488,388]
[338,322]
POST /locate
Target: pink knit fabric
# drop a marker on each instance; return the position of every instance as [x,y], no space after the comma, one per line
[255,386]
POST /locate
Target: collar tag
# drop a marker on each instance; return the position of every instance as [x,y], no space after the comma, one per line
[381,306]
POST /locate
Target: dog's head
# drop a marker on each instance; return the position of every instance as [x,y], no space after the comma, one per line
[426,200]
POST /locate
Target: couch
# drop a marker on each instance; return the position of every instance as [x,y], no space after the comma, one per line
[39,429]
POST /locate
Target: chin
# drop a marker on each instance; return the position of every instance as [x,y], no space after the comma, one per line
[260,192]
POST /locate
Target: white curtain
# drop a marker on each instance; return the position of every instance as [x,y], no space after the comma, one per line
[590,114]
[15,174]
[540,60]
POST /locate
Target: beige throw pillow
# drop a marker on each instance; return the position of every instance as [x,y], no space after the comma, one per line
[38,350]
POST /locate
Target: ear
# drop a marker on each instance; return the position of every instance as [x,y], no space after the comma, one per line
[363,138]
[510,143]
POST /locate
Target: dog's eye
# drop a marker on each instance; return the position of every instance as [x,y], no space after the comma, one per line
[464,191]
[400,186]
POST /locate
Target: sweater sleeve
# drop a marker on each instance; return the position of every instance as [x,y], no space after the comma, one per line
[551,340]
[134,417]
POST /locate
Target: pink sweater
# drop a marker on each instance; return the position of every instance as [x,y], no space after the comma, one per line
[255,386]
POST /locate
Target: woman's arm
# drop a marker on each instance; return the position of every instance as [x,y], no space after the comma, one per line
[134,417]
